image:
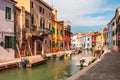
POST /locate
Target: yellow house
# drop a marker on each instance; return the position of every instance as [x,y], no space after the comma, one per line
[57,35]
[99,39]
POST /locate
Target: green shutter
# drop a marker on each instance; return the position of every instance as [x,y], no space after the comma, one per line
[6,42]
[61,44]
[12,42]
[61,32]
[53,30]
[8,13]
[53,44]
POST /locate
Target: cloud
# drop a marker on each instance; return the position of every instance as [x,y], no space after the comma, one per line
[90,21]
[79,11]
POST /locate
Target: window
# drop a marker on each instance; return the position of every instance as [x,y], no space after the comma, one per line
[43,11]
[9,42]
[113,24]
[32,17]
[26,23]
[40,9]
[53,30]
[31,4]
[42,22]
[45,41]
[53,44]
[61,32]
[61,44]
[113,33]
[88,39]
[8,13]
[50,15]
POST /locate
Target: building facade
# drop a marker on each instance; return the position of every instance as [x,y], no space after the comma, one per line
[22,30]
[74,40]
[88,41]
[94,39]
[110,38]
[7,21]
[40,26]
[57,33]
[105,35]
[99,40]
[41,29]
[79,40]
[67,35]
[117,19]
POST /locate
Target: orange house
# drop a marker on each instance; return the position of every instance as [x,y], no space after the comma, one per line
[57,33]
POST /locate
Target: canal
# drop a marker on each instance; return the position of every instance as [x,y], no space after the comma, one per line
[51,70]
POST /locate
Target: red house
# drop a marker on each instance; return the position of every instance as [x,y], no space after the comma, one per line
[67,36]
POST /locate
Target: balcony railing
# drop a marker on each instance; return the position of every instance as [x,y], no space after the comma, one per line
[41,31]
[44,31]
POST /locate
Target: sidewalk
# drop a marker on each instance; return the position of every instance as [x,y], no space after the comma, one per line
[106,69]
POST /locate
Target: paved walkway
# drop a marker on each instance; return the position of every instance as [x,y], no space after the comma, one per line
[107,69]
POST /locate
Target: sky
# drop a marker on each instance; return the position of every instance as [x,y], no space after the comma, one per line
[85,15]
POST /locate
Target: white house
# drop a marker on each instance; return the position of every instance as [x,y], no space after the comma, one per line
[74,40]
[79,39]
[86,41]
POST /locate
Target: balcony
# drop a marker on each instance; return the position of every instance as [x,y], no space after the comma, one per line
[44,31]
[40,32]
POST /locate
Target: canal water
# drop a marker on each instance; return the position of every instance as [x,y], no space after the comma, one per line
[51,70]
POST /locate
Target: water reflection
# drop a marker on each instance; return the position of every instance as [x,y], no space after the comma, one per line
[51,70]
[87,53]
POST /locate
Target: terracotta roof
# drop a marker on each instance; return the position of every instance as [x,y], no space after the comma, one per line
[105,29]
[90,33]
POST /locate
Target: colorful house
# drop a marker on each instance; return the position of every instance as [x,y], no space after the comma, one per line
[88,42]
[41,25]
[23,24]
[117,27]
[105,34]
[57,33]
[7,21]
[83,41]
[74,41]
[99,40]
[110,34]
[79,40]
[67,35]
[94,39]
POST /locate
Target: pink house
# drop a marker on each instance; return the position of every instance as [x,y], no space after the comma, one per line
[7,23]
